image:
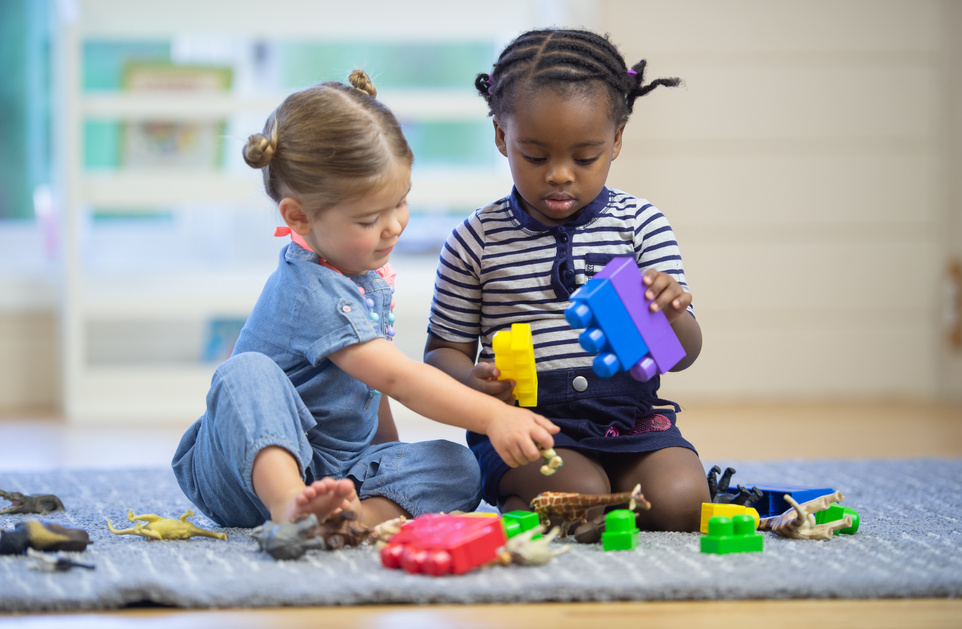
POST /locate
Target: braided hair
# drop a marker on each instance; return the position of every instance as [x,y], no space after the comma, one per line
[569,60]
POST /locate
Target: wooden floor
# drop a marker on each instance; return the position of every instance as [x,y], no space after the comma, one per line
[722,433]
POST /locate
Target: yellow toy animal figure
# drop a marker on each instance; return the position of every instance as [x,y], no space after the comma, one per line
[164,528]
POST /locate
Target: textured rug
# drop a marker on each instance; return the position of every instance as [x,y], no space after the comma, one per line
[909,544]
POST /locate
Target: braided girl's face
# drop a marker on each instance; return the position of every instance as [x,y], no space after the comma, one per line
[560,148]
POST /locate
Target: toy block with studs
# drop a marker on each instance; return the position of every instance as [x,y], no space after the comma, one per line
[516,522]
[712,509]
[620,326]
[837,512]
[731,535]
[439,544]
[620,530]
[514,358]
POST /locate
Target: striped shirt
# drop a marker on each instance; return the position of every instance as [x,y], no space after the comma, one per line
[500,266]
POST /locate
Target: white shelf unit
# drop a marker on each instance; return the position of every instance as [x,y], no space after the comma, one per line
[144,390]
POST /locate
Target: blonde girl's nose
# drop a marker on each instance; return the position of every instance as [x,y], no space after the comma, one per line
[395,223]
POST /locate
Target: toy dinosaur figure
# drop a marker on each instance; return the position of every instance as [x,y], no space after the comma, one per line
[292,539]
[382,533]
[45,536]
[164,528]
[21,503]
[718,489]
[573,508]
[523,550]
[799,521]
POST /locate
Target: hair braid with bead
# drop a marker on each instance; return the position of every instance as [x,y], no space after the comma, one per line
[569,60]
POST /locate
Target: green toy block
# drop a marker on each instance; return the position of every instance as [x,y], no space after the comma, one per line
[731,535]
[620,531]
[518,522]
[837,512]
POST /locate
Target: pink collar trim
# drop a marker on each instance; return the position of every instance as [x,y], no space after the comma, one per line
[386,271]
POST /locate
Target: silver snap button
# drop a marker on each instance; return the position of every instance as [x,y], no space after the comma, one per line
[580,384]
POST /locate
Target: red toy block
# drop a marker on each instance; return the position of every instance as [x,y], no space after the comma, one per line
[439,544]
[664,348]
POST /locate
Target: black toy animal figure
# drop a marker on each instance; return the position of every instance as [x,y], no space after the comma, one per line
[45,562]
[718,489]
[21,503]
[45,536]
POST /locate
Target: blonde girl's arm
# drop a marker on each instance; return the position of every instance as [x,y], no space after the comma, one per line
[515,432]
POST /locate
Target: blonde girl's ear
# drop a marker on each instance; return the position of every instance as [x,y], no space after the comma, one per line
[293,213]
[499,137]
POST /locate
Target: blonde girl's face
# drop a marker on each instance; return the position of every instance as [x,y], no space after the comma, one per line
[358,235]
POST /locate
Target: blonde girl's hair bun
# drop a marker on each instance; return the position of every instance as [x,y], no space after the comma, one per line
[361,81]
[260,149]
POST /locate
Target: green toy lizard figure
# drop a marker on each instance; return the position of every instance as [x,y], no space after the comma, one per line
[164,528]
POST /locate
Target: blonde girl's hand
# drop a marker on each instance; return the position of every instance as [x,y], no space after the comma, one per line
[666,293]
[517,434]
[484,378]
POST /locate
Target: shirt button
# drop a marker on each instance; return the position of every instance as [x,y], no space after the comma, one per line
[579,384]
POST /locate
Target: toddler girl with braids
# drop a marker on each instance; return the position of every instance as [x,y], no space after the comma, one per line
[297,419]
[560,100]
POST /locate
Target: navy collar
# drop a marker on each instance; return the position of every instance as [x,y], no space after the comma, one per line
[587,214]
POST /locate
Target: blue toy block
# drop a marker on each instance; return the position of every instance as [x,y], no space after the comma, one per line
[610,331]
[773,502]
[621,328]
[664,348]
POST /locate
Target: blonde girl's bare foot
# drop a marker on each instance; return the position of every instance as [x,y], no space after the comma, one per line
[323,498]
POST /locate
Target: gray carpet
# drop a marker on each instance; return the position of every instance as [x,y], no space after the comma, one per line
[909,545]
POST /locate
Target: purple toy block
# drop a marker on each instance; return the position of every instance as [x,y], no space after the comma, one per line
[664,348]
[610,331]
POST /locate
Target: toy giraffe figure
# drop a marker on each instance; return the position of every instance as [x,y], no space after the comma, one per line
[798,522]
[164,528]
[573,508]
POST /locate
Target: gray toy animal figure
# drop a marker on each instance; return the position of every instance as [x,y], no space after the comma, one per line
[42,504]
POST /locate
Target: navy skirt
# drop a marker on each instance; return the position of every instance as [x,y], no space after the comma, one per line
[616,415]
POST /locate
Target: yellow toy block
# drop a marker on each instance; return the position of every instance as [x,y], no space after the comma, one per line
[514,357]
[710,510]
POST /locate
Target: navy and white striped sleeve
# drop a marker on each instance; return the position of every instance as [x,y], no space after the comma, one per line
[456,305]
[656,246]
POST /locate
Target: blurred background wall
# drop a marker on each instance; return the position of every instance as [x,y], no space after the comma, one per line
[810,167]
